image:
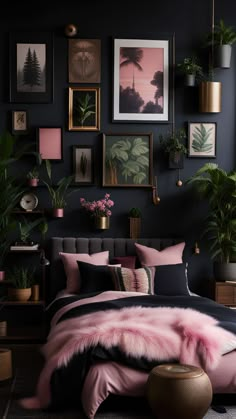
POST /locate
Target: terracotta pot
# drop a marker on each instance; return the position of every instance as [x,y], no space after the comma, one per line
[15,294]
[102,223]
[58,212]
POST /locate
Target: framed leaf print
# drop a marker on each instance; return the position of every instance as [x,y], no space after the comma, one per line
[84,108]
[127,160]
[83,165]
[202,139]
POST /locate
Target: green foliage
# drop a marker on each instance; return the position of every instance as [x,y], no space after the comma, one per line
[33,174]
[189,65]
[135,212]
[174,142]
[21,277]
[26,227]
[223,35]
[83,108]
[59,192]
[219,188]
[201,139]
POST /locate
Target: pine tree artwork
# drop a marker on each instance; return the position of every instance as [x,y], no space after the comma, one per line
[31,67]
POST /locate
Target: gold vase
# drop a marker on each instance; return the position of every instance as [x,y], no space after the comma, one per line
[101,223]
[210,96]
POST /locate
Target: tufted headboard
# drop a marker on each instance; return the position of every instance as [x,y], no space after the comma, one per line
[116,247]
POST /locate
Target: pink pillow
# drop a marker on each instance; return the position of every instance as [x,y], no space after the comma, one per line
[72,270]
[151,257]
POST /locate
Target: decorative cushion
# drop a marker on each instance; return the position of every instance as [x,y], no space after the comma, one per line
[137,280]
[71,267]
[125,261]
[95,278]
[152,257]
[171,280]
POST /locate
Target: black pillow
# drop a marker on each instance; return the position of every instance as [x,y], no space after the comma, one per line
[171,280]
[95,278]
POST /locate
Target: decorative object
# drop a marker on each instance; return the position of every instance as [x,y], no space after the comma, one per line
[173,144]
[134,280]
[127,160]
[218,187]
[179,182]
[33,177]
[84,62]
[31,67]
[196,249]
[3,328]
[84,108]
[224,38]
[188,387]
[29,202]
[83,164]
[71,30]
[134,223]
[155,197]
[5,364]
[141,89]
[99,211]
[35,292]
[202,139]
[21,279]
[50,143]
[19,122]
[191,70]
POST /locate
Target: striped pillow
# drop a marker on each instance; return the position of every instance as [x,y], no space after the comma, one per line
[134,280]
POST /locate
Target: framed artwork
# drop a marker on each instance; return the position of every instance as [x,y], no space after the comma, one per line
[83,165]
[202,139]
[84,60]
[20,122]
[84,108]
[141,80]
[50,143]
[127,160]
[31,67]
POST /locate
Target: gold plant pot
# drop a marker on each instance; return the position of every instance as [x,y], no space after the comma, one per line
[134,227]
[210,96]
[35,292]
[101,223]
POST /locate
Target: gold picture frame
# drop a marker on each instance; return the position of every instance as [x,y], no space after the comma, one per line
[84,109]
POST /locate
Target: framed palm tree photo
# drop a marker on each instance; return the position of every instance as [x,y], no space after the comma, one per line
[84,108]
[202,139]
[127,160]
[141,82]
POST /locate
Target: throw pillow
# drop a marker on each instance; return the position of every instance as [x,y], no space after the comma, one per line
[171,280]
[125,261]
[71,267]
[152,257]
[137,280]
[95,278]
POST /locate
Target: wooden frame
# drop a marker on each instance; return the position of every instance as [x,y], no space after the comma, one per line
[31,67]
[83,165]
[84,108]
[50,143]
[202,139]
[20,123]
[84,60]
[141,84]
[127,160]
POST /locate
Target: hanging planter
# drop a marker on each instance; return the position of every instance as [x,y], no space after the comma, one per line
[101,223]
[190,68]
[223,56]
[210,96]
[176,160]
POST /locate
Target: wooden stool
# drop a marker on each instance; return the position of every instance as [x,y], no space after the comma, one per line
[176,391]
[5,364]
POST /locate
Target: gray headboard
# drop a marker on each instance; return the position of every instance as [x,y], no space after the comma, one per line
[116,247]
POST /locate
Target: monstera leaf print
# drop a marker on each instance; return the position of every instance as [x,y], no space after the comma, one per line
[201,139]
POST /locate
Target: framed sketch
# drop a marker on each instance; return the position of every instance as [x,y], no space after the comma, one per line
[127,160]
[84,108]
[50,143]
[84,60]
[83,165]
[31,67]
[20,122]
[202,139]
[141,84]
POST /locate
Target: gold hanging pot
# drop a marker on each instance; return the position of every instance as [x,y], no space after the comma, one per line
[101,223]
[210,96]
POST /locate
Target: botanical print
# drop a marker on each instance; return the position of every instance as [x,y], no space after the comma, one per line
[127,160]
[84,60]
[83,164]
[84,109]
[31,68]
[141,80]
[20,121]
[202,139]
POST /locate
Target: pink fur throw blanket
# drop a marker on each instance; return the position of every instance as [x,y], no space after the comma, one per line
[157,333]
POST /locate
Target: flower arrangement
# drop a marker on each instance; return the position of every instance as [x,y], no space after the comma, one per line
[100,208]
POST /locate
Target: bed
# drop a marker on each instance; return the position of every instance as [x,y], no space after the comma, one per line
[117,308]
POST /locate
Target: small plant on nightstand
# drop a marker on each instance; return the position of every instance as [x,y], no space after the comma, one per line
[21,279]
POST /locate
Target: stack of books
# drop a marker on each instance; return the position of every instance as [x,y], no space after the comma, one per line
[22,246]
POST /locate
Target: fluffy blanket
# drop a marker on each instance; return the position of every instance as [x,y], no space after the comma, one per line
[157,333]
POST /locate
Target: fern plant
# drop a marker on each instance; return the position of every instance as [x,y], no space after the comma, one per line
[201,139]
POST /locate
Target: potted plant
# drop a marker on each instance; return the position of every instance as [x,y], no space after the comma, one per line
[99,210]
[21,279]
[134,222]
[26,227]
[221,40]
[219,188]
[33,177]
[190,68]
[173,144]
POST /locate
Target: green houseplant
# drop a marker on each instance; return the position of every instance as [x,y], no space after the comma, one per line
[190,68]
[173,144]
[222,39]
[219,188]
[21,278]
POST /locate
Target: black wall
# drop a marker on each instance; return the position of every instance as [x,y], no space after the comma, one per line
[179,213]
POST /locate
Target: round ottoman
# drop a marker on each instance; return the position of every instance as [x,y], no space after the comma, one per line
[5,364]
[176,391]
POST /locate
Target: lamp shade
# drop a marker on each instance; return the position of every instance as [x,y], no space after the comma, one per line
[210,96]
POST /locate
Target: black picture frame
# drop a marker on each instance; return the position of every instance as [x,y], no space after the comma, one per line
[50,143]
[20,122]
[26,48]
[83,175]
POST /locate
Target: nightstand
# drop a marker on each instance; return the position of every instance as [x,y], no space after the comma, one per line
[225,293]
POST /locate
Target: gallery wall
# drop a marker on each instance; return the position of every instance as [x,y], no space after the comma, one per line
[179,213]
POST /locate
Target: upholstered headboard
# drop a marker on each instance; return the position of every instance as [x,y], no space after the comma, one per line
[116,247]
